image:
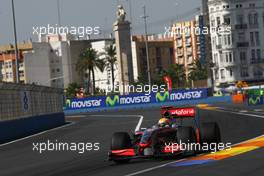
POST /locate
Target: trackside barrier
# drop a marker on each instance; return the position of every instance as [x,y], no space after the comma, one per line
[255,97]
[135,99]
[23,100]
[22,127]
[27,109]
[207,100]
[238,98]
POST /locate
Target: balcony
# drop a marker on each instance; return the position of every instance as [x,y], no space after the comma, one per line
[229,64]
[179,45]
[189,53]
[242,44]
[254,25]
[188,44]
[241,26]
[219,47]
[257,61]
[179,54]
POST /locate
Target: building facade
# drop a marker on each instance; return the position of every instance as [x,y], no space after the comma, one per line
[186,43]
[237,33]
[8,62]
[161,55]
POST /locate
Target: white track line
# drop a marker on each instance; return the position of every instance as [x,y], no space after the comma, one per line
[163,165]
[141,117]
[153,168]
[37,134]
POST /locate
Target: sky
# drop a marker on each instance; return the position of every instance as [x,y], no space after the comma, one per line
[102,13]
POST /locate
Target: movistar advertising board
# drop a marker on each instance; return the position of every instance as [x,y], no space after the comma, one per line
[85,103]
[254,100]
[135,99]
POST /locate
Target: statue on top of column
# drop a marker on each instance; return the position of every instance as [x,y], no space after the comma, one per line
[121,14]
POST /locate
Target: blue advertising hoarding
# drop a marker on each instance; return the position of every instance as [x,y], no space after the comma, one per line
[135,99]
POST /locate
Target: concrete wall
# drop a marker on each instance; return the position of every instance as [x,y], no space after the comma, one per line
[28,109]
[20,101]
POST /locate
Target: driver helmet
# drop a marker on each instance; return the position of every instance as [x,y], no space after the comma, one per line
[164,122]
[167,115]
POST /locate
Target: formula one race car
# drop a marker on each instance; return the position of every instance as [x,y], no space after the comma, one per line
[177,127]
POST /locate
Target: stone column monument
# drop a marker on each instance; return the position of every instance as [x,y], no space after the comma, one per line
[123,50]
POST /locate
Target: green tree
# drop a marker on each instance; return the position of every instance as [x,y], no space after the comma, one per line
[197,71]
[89,61]
[110,59]
[72,89]
[177,74]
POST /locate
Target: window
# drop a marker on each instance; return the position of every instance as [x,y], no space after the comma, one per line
[230,72]
[257,38]
[253,55]
[216,58]
[263,18]
[241,36]
[216,74]
[252,40]
[230,57]
[257,71]
[250,19]
[244,72]
[240,19]
[222,73]
[251,5]
[219,40]
[218,20]
[213,23]
[239,6]
[225,40]
[243,57]
[229,39]
[221,58]
[253,19]
[227,20]
[256,19]
[258,54]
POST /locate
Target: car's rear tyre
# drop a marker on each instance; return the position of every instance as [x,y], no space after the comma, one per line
[186,136]
[120,140]
[210,133]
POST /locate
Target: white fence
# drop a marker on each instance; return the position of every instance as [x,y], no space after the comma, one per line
[20,100]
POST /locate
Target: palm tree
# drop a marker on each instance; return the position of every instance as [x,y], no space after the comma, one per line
[177,74]
[197,72]
[72,89]
[110,59]
[89,61]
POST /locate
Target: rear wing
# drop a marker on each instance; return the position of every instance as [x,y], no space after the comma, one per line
[185,112]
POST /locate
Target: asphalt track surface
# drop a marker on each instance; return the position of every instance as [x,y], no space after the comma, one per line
[19,159]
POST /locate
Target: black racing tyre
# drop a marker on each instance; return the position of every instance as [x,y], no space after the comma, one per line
[186,136]
[120,140]
[210,133]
